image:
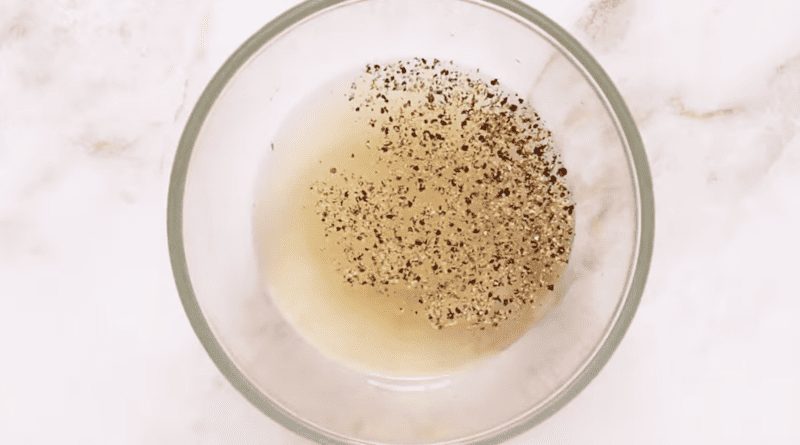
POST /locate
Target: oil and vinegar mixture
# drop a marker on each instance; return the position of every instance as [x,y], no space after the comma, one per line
[415,219]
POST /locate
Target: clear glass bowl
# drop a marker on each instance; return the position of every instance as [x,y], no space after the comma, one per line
[214,188]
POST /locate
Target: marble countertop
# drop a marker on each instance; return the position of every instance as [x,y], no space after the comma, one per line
[95,347]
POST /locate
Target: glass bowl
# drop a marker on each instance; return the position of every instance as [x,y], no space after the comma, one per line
[214,190]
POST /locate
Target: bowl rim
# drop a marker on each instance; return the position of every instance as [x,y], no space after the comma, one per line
[578,56]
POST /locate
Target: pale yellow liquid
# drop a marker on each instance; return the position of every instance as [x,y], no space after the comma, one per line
[352,324]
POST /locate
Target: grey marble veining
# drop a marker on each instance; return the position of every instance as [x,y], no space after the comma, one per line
[95,347]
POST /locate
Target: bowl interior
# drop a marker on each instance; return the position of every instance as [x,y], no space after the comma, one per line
[215,189]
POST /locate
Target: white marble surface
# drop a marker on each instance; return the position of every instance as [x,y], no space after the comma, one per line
[95,347]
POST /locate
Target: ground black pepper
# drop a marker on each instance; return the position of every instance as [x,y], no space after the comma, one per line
[484,190]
